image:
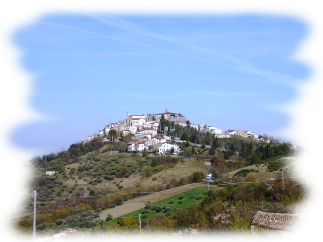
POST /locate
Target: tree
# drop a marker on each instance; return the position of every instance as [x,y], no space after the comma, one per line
[197,176]
[94,236]
[240,222]
[212,151]
[112,133]
[70,238]
[295,203]
[209,198]
[125,228]
[184,136]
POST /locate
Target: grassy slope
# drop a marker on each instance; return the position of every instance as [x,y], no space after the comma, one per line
[185,205]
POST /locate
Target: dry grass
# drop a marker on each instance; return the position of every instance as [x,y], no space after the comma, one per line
[262,174]
[181,169]
[121,210]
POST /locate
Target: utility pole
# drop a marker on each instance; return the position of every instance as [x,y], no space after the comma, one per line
[283,180]
[34,223]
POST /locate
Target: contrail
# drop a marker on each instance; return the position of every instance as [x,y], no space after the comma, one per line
[230,60]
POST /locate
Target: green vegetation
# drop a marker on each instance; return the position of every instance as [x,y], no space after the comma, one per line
[172,205]
[275,165]
[88,179]
[244,172]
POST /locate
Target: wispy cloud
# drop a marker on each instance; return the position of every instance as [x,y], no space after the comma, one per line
[102,35]
[210,55]
[89,53]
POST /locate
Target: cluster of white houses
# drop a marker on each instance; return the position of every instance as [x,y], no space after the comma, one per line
[144,128]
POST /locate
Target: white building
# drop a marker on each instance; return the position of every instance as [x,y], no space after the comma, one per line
[230,131]
[125,132]
[166,147]
[136,146]
[135,119]
[133,129]
[151,142]
[50,173]
[160,139]
[214,130]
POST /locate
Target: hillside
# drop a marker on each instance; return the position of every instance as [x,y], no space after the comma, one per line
[107,177]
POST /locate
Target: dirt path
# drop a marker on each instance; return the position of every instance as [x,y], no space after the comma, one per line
[138,203]
[122,210]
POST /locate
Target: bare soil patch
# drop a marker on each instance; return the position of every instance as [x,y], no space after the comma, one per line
[138,203]
[122,209]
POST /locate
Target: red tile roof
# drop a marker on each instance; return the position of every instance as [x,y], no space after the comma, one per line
[270,181]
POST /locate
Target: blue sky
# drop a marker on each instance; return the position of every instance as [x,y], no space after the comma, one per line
[229,71]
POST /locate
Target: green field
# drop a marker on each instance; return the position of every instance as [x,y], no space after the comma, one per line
[187,201]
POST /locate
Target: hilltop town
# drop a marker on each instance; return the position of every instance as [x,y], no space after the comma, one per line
[146,131]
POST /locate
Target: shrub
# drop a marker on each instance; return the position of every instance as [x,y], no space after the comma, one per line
[153,207]
[148,205]
[199,197]
[244,172]
[109,217]
[171,201]
[197,176]
[180,202]
[181,197]
[92,192]
[158,209]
